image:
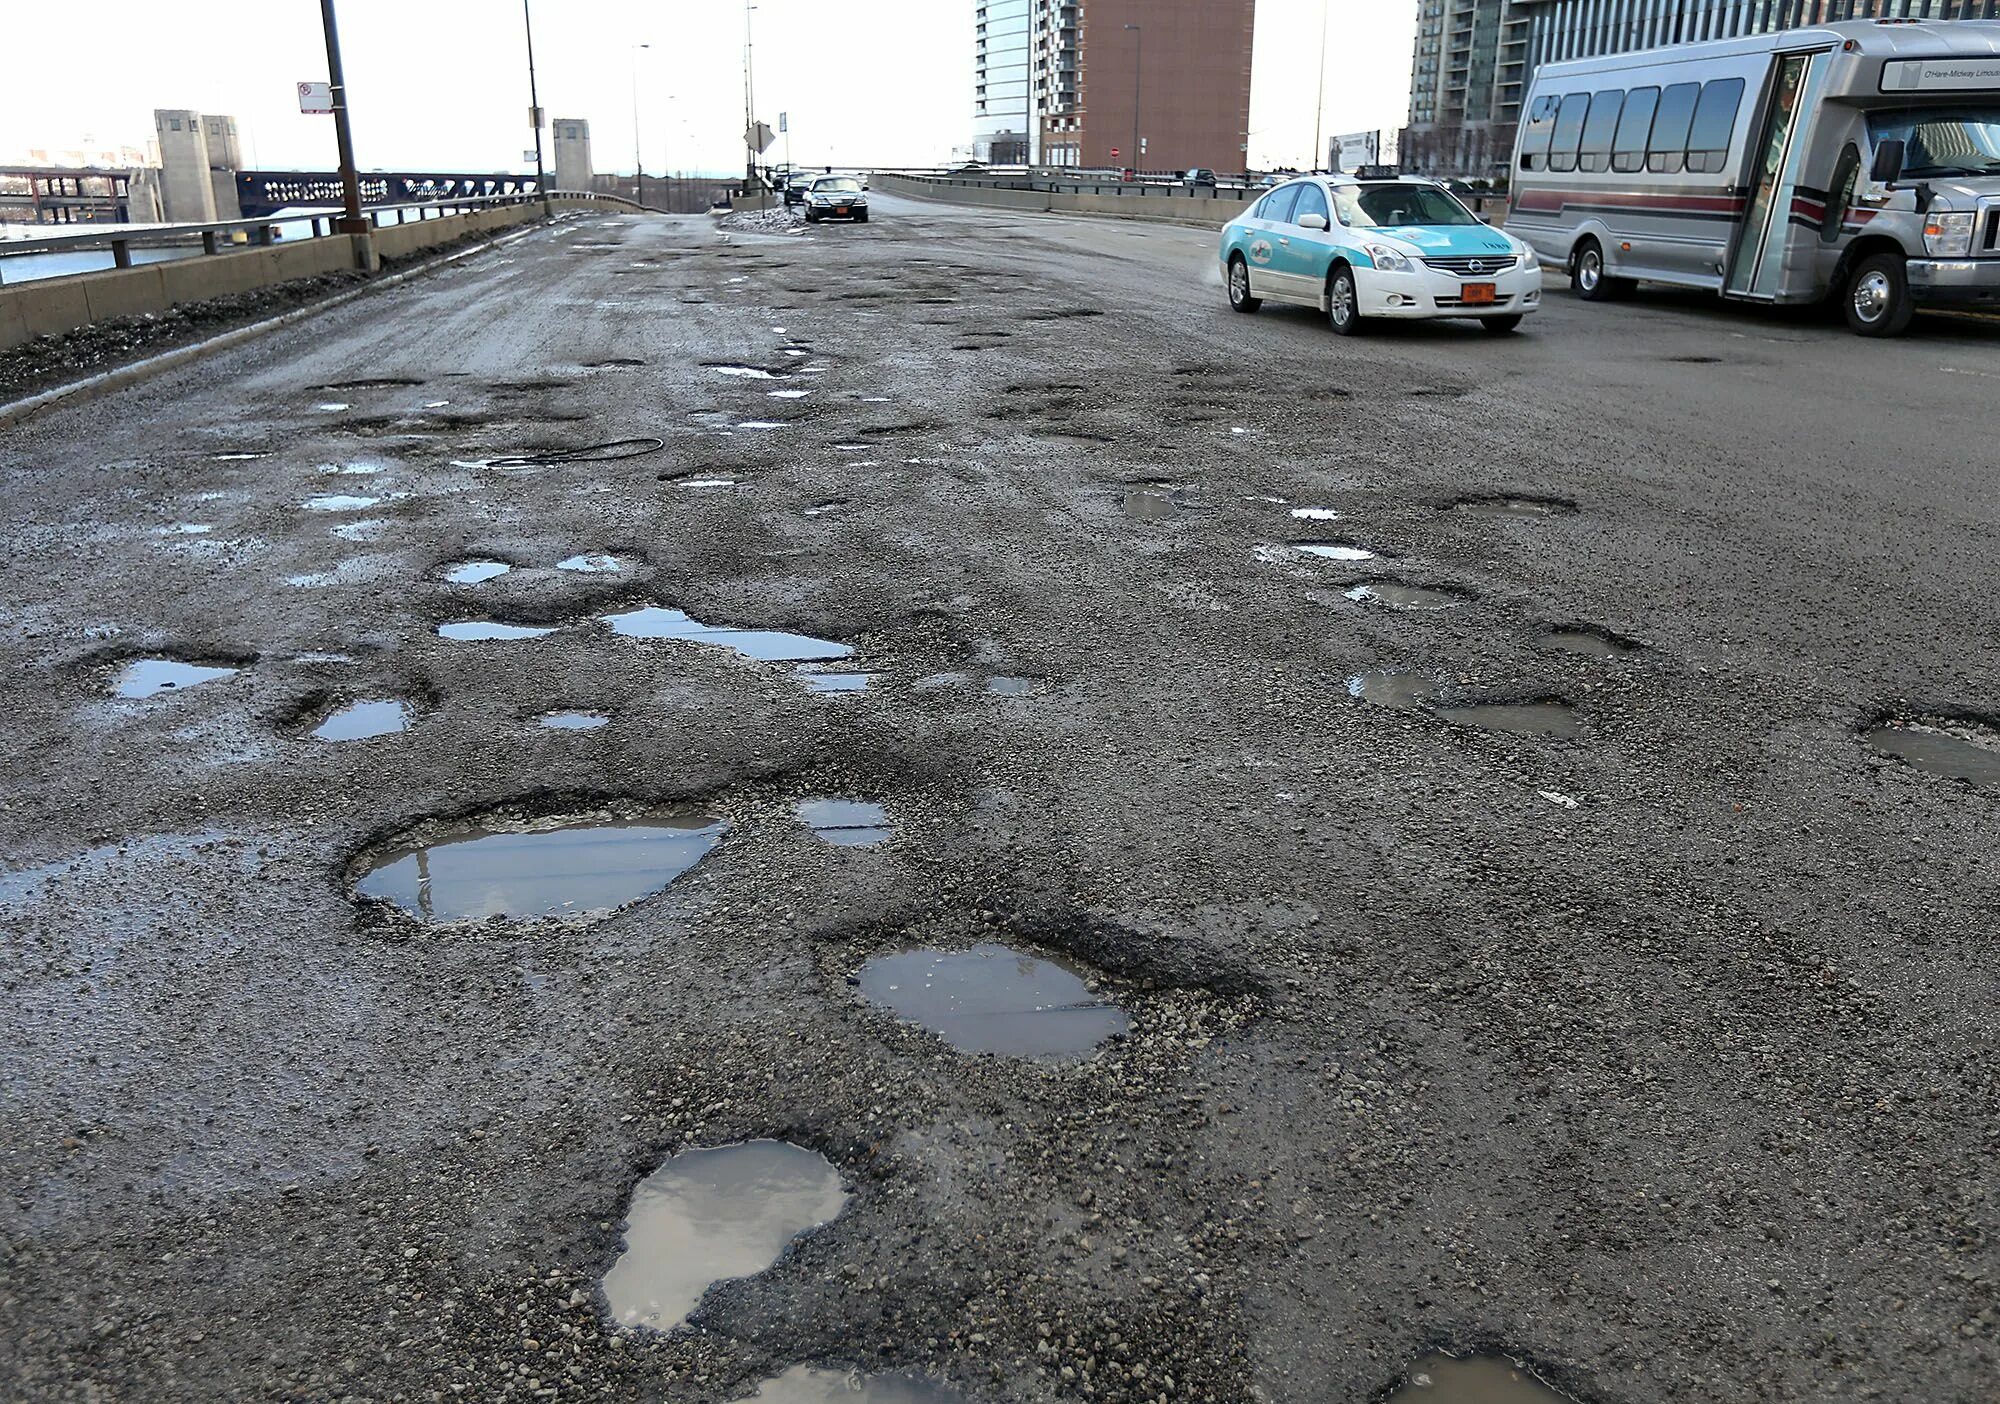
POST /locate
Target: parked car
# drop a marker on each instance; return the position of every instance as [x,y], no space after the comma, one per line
[836,197]
[1365,251]
[1199,176]
[795,189]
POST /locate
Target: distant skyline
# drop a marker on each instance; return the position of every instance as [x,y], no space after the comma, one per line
[443,85]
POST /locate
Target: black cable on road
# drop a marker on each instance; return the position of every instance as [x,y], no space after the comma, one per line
[589,453]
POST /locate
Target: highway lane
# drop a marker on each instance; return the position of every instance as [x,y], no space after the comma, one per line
[1654,1051]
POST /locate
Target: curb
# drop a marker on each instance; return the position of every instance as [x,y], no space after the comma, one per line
[104,382]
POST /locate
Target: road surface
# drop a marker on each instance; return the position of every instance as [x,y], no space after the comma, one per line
[1657,1053]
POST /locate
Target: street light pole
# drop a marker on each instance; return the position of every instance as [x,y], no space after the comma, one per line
[350,221]
[1138,77]
[750,110]
[1319,111]
[638,157]
[535,114]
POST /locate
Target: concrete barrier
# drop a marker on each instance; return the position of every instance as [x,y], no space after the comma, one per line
[1148,203]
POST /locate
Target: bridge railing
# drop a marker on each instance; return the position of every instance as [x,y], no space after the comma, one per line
[221,236]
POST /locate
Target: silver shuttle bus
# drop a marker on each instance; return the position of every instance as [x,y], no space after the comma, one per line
[1858,161]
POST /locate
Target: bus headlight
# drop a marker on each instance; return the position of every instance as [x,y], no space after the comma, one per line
[1390,261]
[1948,235]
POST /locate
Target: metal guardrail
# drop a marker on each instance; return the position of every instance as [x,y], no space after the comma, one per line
[1479,203]
[121,239]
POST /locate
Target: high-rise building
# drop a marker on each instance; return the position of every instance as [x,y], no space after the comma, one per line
[572,154]
[1152,84]
[1473,58]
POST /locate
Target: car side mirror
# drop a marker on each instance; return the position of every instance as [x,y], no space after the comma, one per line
[1314,222]
[1888,167]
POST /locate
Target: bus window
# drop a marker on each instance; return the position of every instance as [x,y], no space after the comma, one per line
[1598,129]
[1667,148]
[1535,143]
[1714,124]
[1628,150]
[1569,131]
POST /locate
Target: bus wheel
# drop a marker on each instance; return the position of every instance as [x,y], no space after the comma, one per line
[1876,297]
[1587,275]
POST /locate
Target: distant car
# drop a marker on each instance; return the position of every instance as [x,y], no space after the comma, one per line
[968,166]
[795,189]
[836,197]
[1269,182]
[1365,251]
[1199,176]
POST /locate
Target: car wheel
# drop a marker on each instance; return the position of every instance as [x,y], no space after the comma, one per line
[1500,326]
[1876,296]
[1239,286]
[861,218]
[811,218]
[1343,302]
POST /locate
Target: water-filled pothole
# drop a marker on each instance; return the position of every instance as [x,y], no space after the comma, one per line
[806,1384]
[1473,1379]
[710,1215]
[526,869]
[831,684]
[1592,643]
[358,721]
[491,630]
[1400,596]
[476,572]
[338,502]
[1316,514]
[1402,691]
[845,823]
[593,564]
[1151,504]
[993,999]
[1012,687]
[148,677]
[1516,505]
[367,529]
[572,721]
[1334,550]
[763,645]
[1546,717]
[1961,749]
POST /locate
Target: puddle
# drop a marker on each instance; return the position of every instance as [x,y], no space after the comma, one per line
[1962,750]
[763,645]
[148,677]
[338,502]
[1334,551]
[1548,718]
[788,394]
[185,529]
[241,457]
[367,529]
[1591,643]
[833,684]
[1402,691]
[572,721]
[593,565]
[1316,514]
[993,999]
[1012,687]
[490,630]
[1516,506]
[1476,1379]
[349,470]
[1395,596]
[710,1215]
[807,1384]
[476,572]
[749,372]
[358,721]
[331,407]
[471,871]
[707,482]
[845,823]
[1150,505]
[760,424]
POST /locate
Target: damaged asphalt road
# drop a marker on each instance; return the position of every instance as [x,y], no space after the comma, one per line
[1650,1044]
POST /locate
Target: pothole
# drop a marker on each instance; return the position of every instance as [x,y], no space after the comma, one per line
[349,470]
[1518,505]
[993,999]
[564,866]
[491,631]
[366,529]
[1316,514]
[1592,643]
[763,645]
[1473,1379]
[707,1216]
[358,721]
[1399,596]
[820,509]
[1335,550]
[476,572]
[832,684]
[1013,687]
[749,372]
[384,382]
[572,721]
[806,1384]
[148,677]
[1151,504]
[1402,691]
[1547,717]
[1961,749]
[845,823]
[594,565]
[338,502]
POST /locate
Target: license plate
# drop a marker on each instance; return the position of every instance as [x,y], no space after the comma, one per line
[842,209]
[1480,292]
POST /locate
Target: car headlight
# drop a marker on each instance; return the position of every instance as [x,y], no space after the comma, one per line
[1948,235]
[1385,258]
[1529,263]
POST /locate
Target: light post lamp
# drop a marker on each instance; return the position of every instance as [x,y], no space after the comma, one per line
[535,114]
[1138,76]
[638,158]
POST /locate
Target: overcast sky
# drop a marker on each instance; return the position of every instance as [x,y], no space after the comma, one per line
[442,84]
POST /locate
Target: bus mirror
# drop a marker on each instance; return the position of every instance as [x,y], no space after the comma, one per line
[1888,167]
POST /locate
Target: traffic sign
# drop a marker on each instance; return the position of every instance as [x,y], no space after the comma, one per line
[784,121]
[1114,153]
[758,137]
[316,97]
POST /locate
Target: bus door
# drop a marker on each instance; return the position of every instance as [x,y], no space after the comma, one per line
[1757,262]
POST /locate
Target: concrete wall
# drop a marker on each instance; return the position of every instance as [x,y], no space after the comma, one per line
[572,154]
[186,192]
[51,305]
[1198,211]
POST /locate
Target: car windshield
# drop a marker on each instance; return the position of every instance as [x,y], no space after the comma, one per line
[837,185]
[1940,141]
[1393,206]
